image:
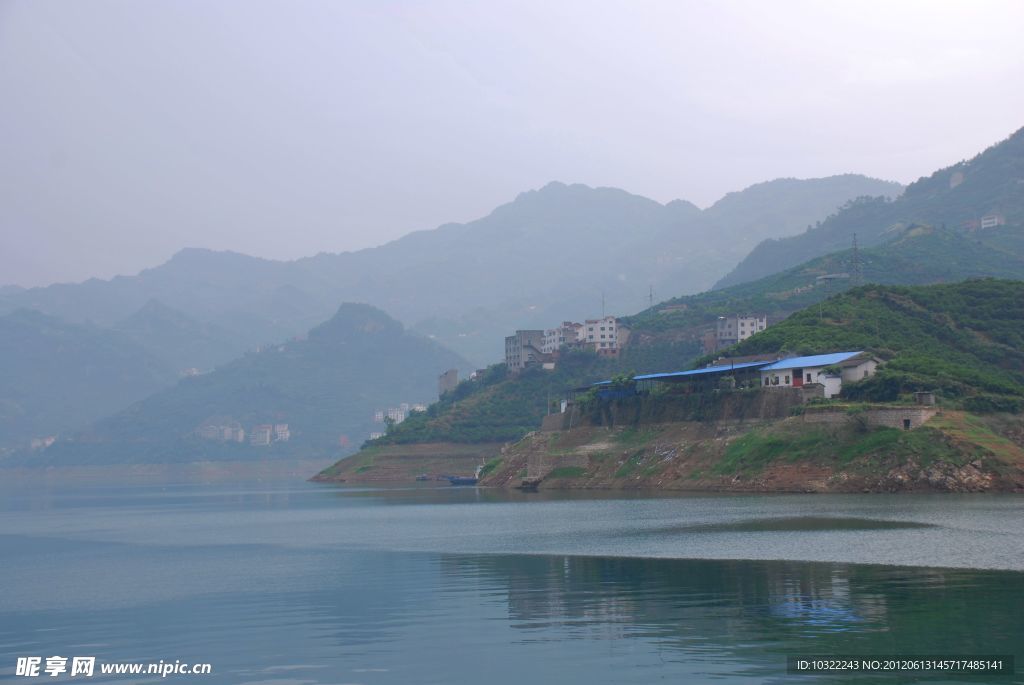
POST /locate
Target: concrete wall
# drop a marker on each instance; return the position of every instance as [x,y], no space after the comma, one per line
[742,405]
[891,417]
[554,422]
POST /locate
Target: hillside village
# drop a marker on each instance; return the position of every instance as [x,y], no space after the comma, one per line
[607,336]
[782,389]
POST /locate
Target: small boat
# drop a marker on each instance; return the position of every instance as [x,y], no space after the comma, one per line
[422,477]
[466,480]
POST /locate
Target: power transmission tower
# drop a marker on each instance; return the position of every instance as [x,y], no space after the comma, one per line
[858,274]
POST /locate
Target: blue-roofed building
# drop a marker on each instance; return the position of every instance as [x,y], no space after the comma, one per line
[828,370]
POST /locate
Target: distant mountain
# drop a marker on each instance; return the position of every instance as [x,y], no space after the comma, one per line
[56,376]
[325,387]
[786,206]
[179,340]
[991,184]
[549,255]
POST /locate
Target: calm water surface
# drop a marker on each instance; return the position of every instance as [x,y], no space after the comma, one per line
[292,583]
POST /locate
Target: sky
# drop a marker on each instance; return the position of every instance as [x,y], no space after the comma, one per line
[130,130]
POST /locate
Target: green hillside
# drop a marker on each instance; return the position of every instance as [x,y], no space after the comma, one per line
[979,361]
[915,255]
[963,340]
[989,184]
[497,407]
[325,387]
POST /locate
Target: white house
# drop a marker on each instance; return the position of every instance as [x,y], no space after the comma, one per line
[830,370]
[602,334]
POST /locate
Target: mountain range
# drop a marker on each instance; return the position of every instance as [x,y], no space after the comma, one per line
[468,285]
[551,254]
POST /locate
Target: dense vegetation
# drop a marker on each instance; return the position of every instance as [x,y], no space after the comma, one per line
[963,340]
[325,387]
[988,184]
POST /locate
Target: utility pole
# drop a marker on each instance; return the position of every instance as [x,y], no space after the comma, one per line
[650,296]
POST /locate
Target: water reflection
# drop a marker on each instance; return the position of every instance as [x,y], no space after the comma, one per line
[774,607]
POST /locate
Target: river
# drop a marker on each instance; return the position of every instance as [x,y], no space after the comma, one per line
[283,582]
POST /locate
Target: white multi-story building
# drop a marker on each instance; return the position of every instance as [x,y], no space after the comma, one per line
[730,330]
[601,334]
[281,432]
[396,414]
[556,338]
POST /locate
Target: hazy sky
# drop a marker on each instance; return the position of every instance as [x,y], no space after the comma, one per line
[280,129]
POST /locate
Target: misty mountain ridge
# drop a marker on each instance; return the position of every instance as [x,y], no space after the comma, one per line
[59,376]
[468,285]
[958,196]
[325,386]
[178,339]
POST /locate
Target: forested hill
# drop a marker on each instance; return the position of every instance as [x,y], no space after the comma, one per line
[917,255]
[990,184]
[963,340]
[326,388]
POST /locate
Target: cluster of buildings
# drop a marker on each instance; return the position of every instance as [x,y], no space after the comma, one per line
[605,336]
[397,414]
[820,375]
[232,431]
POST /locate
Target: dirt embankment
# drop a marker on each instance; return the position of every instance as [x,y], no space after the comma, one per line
[397,463]
[824,449]
[952,452]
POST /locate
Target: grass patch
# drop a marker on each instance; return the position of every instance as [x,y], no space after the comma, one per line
[631,465]
[755,450]
[490,466]
[925,445]
[634,437]
[568,472]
